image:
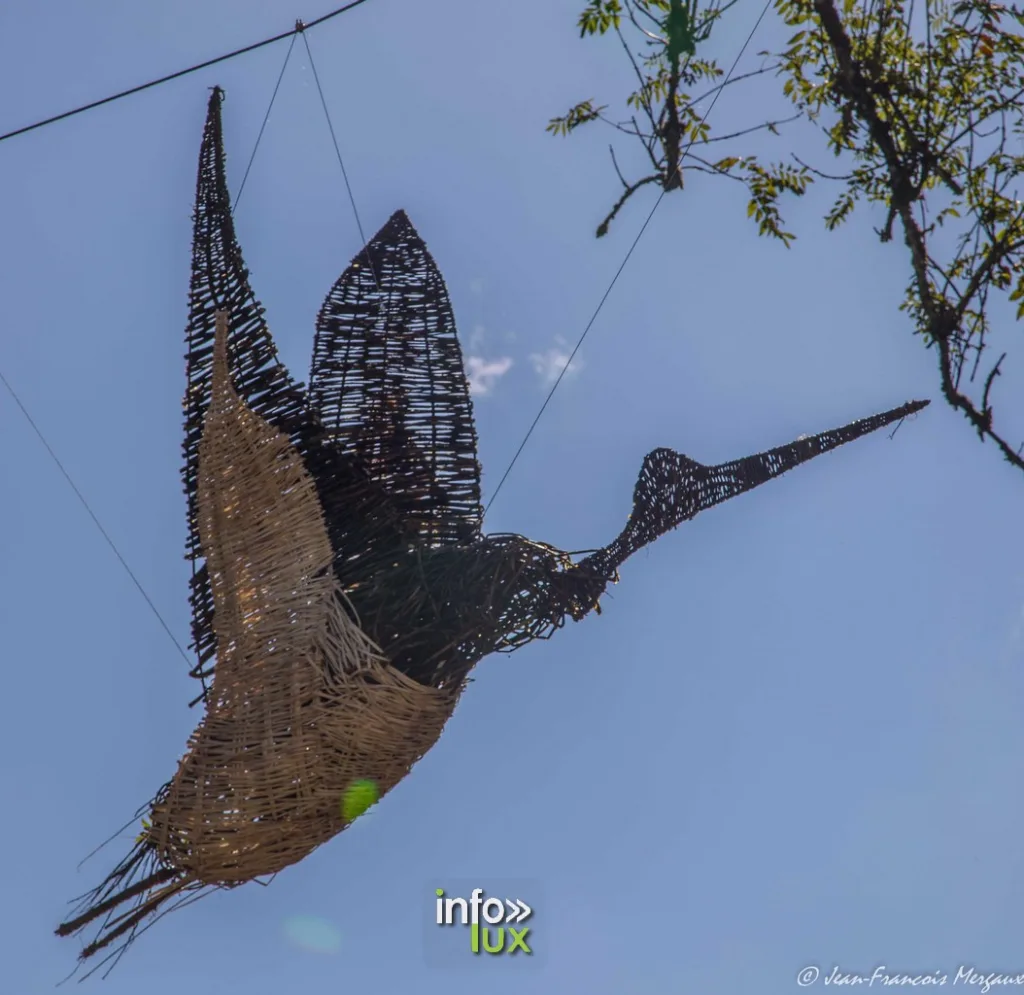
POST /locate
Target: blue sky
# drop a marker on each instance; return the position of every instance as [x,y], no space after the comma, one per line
[794,736]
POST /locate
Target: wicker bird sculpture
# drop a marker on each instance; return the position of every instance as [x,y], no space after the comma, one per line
[342,587]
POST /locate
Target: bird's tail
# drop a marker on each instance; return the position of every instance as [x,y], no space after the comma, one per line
[144,884]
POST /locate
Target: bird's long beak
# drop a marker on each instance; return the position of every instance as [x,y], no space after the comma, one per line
[673,488]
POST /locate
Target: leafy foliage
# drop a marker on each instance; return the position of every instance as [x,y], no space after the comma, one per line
[662,113]
[923,105]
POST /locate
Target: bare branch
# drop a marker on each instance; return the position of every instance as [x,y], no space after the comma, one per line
[602,228]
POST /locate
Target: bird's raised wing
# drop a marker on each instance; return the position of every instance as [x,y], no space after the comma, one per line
[220,282]
[359,515]
[388,385]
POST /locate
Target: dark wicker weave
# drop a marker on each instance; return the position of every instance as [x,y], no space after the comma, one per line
[374,466]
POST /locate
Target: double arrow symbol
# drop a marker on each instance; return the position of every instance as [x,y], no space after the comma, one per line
[518,910]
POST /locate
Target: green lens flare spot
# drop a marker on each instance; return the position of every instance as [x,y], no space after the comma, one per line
[358,797]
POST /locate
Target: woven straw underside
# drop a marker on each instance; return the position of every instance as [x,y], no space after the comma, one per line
[302,703]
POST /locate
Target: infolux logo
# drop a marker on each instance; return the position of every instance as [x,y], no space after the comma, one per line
[490,921]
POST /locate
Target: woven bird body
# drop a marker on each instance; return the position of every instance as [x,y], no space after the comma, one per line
[303,703]
[343,588]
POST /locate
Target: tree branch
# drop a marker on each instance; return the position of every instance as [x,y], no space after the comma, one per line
[942,320]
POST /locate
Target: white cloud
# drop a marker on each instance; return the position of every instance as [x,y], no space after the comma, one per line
[483,374]
[550,364]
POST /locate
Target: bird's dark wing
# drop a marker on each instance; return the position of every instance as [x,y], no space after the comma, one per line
[220,281]
[389,388]
[673,488]
[359,515]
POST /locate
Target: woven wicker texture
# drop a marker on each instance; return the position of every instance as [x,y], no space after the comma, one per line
[302,704]
[220,282]
[342,585]
[388,384]
[673,488]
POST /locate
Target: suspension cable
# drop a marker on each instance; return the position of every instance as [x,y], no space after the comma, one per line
[67,476]
[622,266]
[298,29]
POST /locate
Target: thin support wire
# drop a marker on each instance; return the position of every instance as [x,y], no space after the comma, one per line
[299,27]
[341,161]
[92,515]
[618,272]
[85,504]
[266,118]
